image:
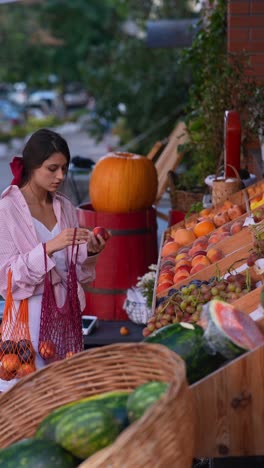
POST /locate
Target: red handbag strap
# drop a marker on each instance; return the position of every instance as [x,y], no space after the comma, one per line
[72,249]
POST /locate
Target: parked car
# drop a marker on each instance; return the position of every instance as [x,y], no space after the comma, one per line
[11,115]
[75,96]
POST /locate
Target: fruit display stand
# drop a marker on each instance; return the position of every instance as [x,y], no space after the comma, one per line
[235,250]
[165,433]
[229,408]
[229,403]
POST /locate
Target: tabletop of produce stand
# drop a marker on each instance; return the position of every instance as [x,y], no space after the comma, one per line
[113,331]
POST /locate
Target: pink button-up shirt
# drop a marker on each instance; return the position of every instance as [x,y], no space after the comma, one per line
[21,250]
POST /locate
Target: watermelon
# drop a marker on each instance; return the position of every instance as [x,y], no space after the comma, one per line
[83,431]
[115,401]
[143,397]
[32,453]
[229,331]
[187,340]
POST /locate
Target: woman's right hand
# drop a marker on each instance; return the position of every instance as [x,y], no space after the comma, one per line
[65,239]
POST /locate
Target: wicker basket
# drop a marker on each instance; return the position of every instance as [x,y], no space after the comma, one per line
[163,437]
[222,188]
[181,200]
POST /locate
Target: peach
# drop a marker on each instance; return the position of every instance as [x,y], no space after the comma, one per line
[163,287]
[181,256]
[202,241]
[199,252]
[197,248]
[237,226]
[217,237]
[235,211]
[169,248]
[184,236]
[180,275]
[166,276]
[221,218]
[200,260]
[205,212]
[214,254]
[184,262]
[183,268]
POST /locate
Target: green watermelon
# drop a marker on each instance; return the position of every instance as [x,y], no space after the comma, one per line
[32,453]
[83,431]
[143,397]
[187,340]
[228,330]
[115,401]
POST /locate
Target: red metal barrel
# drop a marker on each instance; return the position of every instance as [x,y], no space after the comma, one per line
[127,255]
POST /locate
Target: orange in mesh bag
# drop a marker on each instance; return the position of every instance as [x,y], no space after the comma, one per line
[17,354]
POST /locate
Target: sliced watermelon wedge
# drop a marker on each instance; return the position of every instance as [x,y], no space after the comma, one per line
[229,331]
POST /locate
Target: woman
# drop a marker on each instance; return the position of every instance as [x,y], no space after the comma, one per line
[32,212]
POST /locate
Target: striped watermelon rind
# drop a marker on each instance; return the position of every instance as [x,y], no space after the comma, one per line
[83,431]
[143,397]
[115,401]
[187,340]
[32,453]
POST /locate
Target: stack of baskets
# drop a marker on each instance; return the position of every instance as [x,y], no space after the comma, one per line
[163,437]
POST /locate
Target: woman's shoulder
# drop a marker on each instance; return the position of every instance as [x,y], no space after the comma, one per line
[10,196]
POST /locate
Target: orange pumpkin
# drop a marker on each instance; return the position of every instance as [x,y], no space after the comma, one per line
[123,183]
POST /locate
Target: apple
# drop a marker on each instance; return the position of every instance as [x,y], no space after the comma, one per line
[101,231]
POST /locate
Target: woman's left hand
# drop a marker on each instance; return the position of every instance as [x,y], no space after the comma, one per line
[95,244]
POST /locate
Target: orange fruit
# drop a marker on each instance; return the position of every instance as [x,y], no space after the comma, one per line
[184,236]
[203,227]
[10,363]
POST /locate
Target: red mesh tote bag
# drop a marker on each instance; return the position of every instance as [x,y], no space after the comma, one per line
[60,332]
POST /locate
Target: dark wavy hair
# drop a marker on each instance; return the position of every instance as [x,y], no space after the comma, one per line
[40,146]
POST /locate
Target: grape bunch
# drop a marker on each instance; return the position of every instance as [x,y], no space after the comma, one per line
[257,251]
[186,303]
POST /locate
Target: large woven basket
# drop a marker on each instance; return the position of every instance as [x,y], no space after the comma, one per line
[163,437]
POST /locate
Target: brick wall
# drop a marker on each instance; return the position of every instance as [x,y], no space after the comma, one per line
[246,32]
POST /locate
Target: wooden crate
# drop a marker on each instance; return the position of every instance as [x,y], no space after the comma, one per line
[229,409]
[250,302]
[241,198]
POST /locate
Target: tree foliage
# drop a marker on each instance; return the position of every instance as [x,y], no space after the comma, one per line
[86,42]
